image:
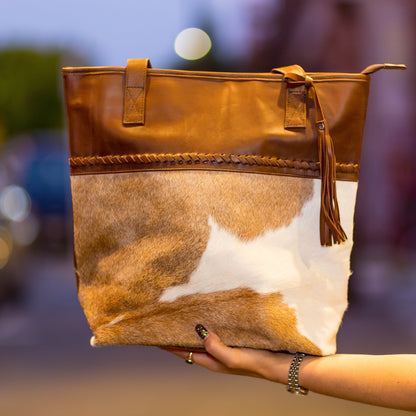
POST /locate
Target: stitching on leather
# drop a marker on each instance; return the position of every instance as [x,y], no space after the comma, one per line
[295,115]
[196,158]
[130,102]
[132,110]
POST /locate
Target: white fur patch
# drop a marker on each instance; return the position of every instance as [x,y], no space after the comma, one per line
[291,261]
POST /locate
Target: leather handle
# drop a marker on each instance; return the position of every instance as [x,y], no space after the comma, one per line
[296,96]
[374,68]
[135,87]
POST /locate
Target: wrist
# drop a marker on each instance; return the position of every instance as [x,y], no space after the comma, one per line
[279,368]
[293,385]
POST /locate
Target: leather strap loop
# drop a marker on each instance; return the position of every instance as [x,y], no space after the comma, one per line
[374,68]
[295,70]
[135,91]
[295,112]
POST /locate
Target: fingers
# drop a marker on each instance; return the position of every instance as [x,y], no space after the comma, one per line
[238,360]
[221,358]
[201,358]
[215,347]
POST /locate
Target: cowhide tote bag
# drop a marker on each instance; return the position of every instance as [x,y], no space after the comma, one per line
[218,198]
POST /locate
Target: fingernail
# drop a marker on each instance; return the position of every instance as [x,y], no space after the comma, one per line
[201,331]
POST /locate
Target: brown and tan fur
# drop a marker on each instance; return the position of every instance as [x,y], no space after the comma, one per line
[137,234]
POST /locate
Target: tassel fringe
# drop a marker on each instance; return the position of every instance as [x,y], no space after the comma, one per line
[330,223]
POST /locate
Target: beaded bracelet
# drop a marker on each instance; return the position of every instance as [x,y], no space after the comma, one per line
[293,379]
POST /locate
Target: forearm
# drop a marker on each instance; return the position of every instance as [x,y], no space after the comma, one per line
[384,380]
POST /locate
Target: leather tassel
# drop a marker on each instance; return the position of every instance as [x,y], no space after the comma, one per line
[330,222]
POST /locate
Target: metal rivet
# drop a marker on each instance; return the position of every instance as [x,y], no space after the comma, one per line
[321,126]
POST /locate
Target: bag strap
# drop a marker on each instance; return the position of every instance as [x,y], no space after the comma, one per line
[330,222]
[135,87]
[374,68]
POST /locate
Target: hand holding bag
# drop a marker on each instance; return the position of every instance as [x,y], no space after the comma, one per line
[218,198]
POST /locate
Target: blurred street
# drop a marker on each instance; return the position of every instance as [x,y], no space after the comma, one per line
[47,365]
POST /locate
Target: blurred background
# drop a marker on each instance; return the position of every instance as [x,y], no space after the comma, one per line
[46,364]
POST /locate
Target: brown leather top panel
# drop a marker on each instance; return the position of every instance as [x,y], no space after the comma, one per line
[210,113]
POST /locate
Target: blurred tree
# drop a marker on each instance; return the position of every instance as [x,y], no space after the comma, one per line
[30,97]
[323,35]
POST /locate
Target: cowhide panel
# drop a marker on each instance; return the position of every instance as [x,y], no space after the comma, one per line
[158,252]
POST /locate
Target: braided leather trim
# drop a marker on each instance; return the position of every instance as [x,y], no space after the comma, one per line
[207,158]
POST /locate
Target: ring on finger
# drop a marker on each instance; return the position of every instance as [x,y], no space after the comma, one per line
[189,358]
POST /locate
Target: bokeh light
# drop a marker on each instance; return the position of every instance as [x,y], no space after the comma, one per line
[15,203]
[192,43]
[25,232]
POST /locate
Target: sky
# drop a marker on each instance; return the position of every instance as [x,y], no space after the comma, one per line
[108,33]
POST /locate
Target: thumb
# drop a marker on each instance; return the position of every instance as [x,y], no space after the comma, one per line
[215,347]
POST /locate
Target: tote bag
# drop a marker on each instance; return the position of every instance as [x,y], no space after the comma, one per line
[218,198]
